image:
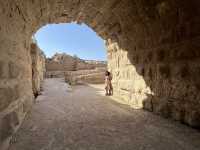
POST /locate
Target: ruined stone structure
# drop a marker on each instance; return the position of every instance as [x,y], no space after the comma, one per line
[60,63]
[38,68]
[153,52]
[65,62]
[12,98]
[93,76]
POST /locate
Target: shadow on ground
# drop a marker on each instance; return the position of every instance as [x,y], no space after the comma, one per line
[81,118]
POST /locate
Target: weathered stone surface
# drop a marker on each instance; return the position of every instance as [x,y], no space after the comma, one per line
[55,74]
[61,63]
[38,68]
[8,125]
[13,70]
[93,76]
[2,67]
[8,95]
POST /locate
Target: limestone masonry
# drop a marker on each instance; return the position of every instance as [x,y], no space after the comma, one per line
[153,49]
[92,76]
[38,68]
[61,63]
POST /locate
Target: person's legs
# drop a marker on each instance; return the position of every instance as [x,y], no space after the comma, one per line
[107,92]
[110,90]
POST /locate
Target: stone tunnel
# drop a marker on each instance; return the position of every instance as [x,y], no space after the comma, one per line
[153,51]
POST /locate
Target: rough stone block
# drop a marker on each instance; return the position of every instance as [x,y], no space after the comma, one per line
[160,55]
[184,72]
[3,70]
[8,125]
[8,95]
[14,70]
[165,71]
[192,117]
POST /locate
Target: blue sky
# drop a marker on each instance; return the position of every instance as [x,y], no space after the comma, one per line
[72,39]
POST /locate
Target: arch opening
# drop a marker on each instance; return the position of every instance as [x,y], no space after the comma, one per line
[71,38]
[74,52]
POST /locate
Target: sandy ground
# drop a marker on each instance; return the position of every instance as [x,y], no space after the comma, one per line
[81,118]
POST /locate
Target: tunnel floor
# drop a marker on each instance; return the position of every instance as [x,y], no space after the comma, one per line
[82,118]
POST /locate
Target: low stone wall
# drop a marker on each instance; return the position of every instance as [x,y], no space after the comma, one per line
[55,74]
[65,62]
[85,76]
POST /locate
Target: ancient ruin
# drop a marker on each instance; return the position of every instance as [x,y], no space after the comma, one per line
[38,68]
[152,46]
[95,76]
[60,64]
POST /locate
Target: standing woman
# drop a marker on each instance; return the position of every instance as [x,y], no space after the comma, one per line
[108,84]
[111,87]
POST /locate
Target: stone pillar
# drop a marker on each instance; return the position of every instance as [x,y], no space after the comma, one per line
[38,68]
[16,95]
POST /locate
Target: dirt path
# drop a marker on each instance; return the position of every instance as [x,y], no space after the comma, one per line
[83,119]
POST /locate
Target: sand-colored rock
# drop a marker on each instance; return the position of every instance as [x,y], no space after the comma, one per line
[93,76]
[62,62]
[38,68]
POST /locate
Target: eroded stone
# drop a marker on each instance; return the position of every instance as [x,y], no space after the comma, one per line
[8,95]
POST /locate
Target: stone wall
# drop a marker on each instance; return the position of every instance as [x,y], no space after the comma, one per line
[153,52]
[160,70]
[164,80]
[16,95]
[55,74]
[61,62]
[16,92]
[94,76]
[38,68]
[65,62]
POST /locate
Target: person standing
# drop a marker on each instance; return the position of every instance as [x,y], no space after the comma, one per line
[108,83]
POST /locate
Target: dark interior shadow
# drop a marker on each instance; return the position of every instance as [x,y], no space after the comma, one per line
[165,52]
[107,125]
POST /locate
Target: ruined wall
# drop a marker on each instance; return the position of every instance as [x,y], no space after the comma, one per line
[81,65]
[38,68]
[92,76]
[65,62]
[90,64]
[153,52]
[164,80]
[16,95]
[55,74]
[60,63]
[160,71]
[54,66]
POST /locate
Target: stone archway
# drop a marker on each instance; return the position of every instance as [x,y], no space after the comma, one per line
[153,52]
